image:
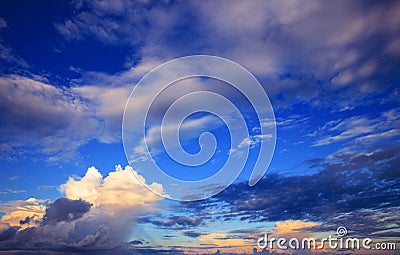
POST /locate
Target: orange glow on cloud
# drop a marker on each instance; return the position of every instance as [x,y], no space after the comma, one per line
[21,210]
[292,228]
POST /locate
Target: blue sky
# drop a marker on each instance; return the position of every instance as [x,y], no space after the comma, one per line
[330,69]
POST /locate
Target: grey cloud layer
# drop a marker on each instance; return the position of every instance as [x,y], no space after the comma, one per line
[345,46]
[362,186]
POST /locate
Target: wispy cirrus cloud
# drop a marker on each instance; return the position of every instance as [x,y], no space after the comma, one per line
[8,55]
[3,23]
[360,128]
[41,115]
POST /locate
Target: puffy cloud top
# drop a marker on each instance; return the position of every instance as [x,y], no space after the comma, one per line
[122,188]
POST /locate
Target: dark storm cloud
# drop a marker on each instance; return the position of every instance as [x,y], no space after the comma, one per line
[359,191]
[192,234]
[26,221]
[136,242]
[64,209]
[8,233]
[63,228]
[174,222]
